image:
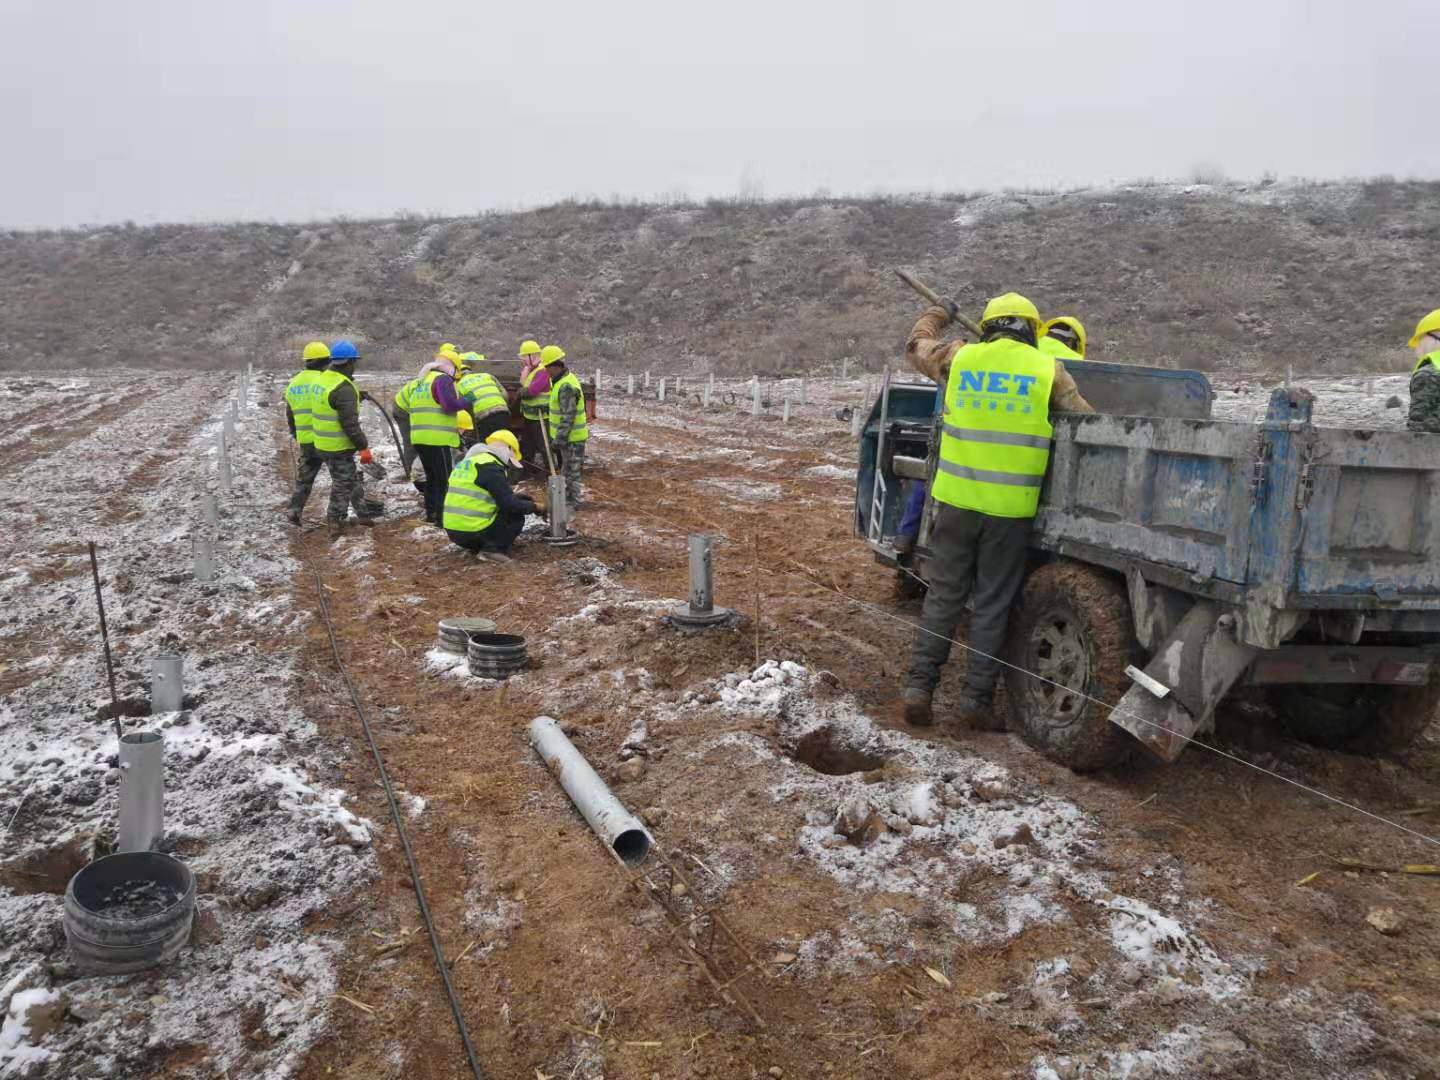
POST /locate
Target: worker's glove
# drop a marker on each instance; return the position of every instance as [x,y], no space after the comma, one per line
[952,309]
[528,505]
[365,457]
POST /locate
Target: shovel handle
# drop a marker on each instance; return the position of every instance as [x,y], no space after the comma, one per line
[934,298]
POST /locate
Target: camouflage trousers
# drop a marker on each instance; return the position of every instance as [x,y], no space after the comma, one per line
[346,490]
[574,463]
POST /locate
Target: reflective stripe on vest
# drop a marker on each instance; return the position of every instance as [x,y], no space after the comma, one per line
[581,430]
[1058,349]
[481,392]
[995,437]
[1430,358]
[300,396]
[468,506]
[329,435]
[430,425]
[532,408]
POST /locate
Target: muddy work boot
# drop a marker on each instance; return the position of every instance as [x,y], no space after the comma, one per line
[293,516]
[493,556]
[337,530]
[915,707]
[977,712]
[368,522]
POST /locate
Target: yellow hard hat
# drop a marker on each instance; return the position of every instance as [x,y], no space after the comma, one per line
[470,359]
[447,352]
[529,348]
[1074,324]
[505,437]
[550,354]
[315,350]
[462,418]
[1011,306]
[1428,325]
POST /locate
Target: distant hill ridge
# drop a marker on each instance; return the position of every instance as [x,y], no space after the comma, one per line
[1316,276]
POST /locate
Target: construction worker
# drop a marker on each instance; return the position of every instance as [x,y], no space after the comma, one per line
[482,512]
[568,426]
[483,396]
[335,417]
[300,398]
[1425,379]
[533,397]
[429,404]
[1063,337]
[994,448]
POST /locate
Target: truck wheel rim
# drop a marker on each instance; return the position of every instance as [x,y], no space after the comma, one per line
[1058,654]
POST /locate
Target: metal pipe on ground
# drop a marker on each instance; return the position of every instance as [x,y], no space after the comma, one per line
[617,828]
[142,790]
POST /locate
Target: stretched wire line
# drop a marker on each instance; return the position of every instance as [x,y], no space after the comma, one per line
[1116,710]
[1113,709]
[398,818]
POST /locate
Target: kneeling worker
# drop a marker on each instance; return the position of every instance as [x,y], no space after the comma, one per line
[482,513]
[994,449]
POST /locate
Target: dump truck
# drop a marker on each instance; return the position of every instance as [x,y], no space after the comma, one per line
[1177,559]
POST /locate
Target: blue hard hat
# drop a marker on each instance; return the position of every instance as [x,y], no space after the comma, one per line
[344,349]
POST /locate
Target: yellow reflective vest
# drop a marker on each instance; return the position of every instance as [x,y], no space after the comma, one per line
[329,436]
[481,392]
[1058,349]
[532,408]
[430,425]
[580,430]
[995,434]
[300,395]
[1429,358]
[468,506]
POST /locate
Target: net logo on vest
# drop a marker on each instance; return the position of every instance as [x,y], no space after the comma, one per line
[996,391]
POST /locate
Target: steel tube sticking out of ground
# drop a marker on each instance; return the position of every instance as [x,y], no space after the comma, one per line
[785,414]
[204,559]
[647,380]
[211,507]
[857,422]
[223,474]
[754,397]
[559,511]
[702,573]
[620,830]
[630,385]
[679,391]
[705,395]
[844,370]
[142,791]
[167,683]
[660,394]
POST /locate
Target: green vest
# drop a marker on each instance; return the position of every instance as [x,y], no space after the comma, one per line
[430,425]
[1058,349]
[532,408]
[300,395]
[468,506]
[481,392]
[580,431]
[995,436]
[1429,358]
[329,436]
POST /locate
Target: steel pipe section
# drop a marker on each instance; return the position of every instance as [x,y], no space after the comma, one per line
[620,830]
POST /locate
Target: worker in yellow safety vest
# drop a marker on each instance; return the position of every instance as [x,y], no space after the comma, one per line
[1063,337]
[335,417]
[532,398]
[299,412]
[994,448]
[1425,377]
[569,429]
[483,396]
[482,512]
[425,412]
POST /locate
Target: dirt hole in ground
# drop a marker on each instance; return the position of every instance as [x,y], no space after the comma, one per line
[50,870]
[824,751]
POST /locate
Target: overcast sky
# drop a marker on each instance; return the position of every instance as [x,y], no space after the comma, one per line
[182,110]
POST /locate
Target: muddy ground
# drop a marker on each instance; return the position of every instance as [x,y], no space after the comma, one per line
[1007,919]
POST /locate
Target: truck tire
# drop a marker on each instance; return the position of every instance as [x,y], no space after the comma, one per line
[1362,719]
[1073,626]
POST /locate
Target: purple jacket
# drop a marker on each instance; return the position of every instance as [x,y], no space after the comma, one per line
[445,396]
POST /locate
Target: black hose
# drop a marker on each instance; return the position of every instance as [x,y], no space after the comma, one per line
[390,424]
[400,829]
